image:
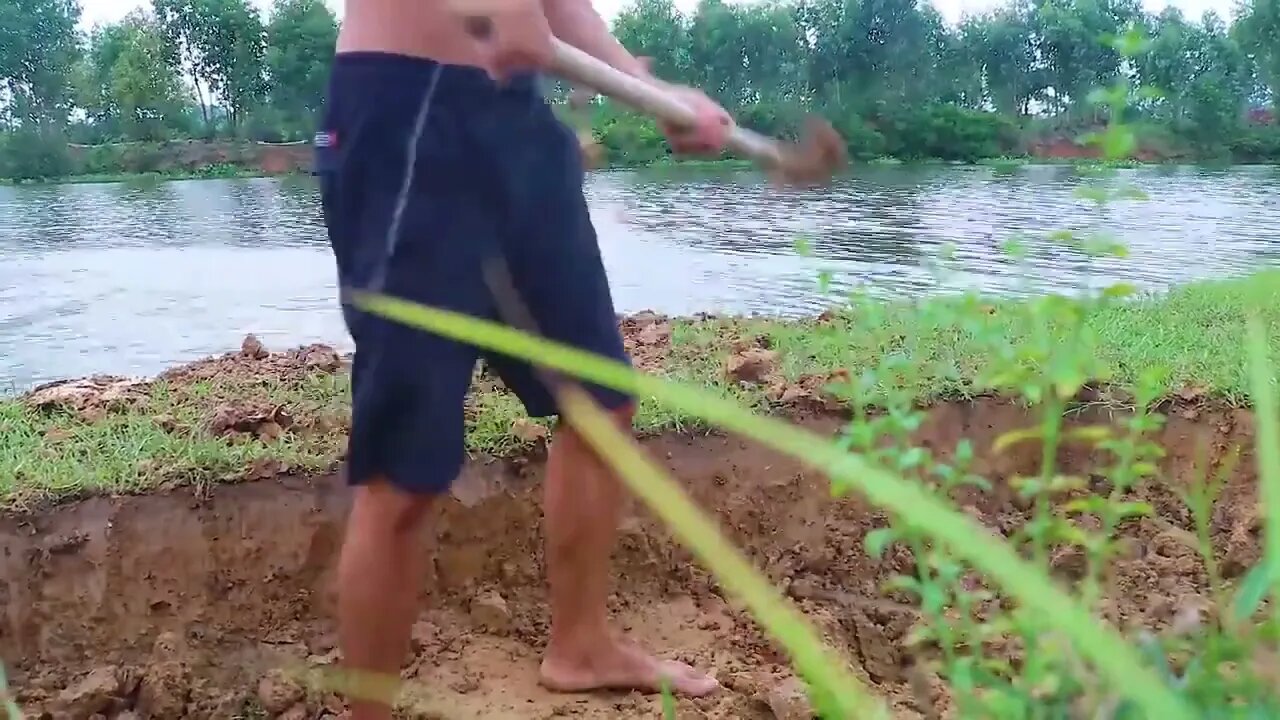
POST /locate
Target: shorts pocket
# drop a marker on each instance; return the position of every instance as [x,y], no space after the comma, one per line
[325,158]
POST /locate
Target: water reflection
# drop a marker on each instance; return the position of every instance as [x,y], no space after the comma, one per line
[131,277]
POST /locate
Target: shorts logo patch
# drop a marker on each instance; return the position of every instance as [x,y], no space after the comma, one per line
[326,139]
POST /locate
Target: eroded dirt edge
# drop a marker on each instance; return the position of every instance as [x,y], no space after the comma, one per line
[173,606]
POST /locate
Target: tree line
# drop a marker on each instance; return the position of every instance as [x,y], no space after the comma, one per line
[190,68]
[897,80]
[178,69]
[892,76]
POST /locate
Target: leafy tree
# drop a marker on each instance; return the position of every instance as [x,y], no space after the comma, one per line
[143,88]
[656,29]
[126,84]
[1003,44]
[236,47]
[38,49]
[222,43]
[184,23]
[1258,32]
[300,45]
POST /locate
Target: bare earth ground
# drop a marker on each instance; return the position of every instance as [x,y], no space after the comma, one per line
[185,604]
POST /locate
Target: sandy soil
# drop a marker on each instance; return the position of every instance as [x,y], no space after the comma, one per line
[182,606]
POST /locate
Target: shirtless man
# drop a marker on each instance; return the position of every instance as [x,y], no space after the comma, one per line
[492,171]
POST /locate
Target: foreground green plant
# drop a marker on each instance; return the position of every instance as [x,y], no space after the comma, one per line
[998,658]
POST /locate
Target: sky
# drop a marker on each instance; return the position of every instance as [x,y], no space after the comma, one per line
[98,11]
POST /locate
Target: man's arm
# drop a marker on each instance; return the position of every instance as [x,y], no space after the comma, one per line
[576,22]
[520,35]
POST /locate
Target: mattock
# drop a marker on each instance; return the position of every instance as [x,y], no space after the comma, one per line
[813,160]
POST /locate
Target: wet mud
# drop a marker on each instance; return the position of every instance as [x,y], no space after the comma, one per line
[184,605]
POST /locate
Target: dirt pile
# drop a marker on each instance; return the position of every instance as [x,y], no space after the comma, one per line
[235,394]
[255,361]
[169,606]
[257,393]
[647,338]
[750,361]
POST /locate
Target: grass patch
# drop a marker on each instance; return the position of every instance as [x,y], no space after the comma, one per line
[1194,331]
[294,416]
[207,172]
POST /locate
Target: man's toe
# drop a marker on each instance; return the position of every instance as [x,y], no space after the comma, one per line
[687,680]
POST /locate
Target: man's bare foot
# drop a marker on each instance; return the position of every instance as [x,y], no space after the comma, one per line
[621,665]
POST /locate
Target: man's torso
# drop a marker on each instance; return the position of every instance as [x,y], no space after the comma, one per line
[418,28]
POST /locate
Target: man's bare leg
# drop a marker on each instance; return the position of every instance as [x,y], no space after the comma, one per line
[583,501]
[380,574]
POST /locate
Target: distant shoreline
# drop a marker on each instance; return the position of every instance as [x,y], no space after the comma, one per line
[233,172]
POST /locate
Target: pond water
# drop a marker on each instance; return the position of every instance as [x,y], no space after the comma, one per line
[129,279]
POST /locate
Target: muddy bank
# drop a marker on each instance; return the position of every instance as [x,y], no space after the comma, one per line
[180,604]
[189,155]
[255,413]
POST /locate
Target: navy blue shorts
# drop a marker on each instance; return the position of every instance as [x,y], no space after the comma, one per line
[494,172]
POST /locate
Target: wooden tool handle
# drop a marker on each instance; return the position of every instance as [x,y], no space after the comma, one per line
[577,66]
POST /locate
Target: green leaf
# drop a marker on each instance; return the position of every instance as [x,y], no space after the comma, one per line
[803,247]
[668,701]
[878,540]
[1129,192]
[9,705]
[1089,192]
[1104,247]
[1014,437]
[1119,290]
[902,583]
[824,281]
[1262,383]
[932,598]
[1088,433]
[1132,43]
[1253,589]
[911,459]
[1133,509]
[1118,144]
[1014,248]
[1063,483]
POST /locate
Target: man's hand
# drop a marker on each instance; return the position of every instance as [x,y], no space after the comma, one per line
[512,35]
[708,135]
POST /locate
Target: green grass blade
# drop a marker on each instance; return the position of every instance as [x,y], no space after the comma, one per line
[1267,447]
[837,692]
[7,703]
[668,702]
[961,535]
[1251,591]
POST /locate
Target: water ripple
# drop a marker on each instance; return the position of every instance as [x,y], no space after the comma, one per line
[128,278]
